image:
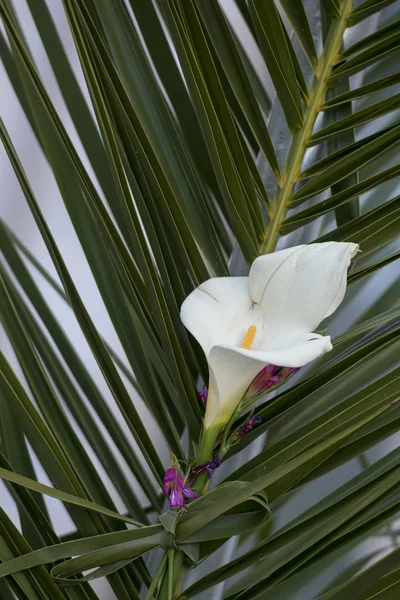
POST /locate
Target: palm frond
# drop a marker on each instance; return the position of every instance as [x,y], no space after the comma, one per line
[179,160]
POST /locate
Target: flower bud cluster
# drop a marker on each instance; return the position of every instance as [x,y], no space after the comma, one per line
[269,378]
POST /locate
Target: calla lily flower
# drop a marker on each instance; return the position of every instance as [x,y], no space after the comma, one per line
[244,324]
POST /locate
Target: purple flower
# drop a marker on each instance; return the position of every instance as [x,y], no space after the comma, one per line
[248,426]
[202,396]
[270,376]
[174,486]
[207,467]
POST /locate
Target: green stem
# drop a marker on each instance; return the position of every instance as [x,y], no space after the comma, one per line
[205,453]
[171,583]
[300,139]
[224,446]
[159,574]
[171,554]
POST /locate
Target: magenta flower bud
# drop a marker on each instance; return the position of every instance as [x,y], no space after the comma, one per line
[175,488]
[207,467]
[202,396]
[266,378]
[269,377]
[248,426]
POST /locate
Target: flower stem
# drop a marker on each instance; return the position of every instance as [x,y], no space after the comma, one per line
[159,574]
[171,583]
[171,554]
[298,147]
[224,447]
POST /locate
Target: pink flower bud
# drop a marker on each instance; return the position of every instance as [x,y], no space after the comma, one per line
[269,377]
[202,396]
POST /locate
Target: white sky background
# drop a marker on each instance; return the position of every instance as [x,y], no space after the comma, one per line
[15,212]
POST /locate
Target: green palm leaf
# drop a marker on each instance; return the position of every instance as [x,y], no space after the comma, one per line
[193,137]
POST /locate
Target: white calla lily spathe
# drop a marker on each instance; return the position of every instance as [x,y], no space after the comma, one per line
[269,317]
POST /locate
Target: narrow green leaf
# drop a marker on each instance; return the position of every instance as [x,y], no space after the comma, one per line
[267,548]
[364,90]
[200,74]
[224,527]
[171,78]
[50,537]
[116,581]
[299,21]
[82,222]
[30,286]
[75,100]
[257,84]
[370,40]
[231,98]
[333,8]
[386,589]
[376,364]
[77,547]
[357,118]
[232,134]
[105,362]
[13,443]
[158,576]
[104,561]
[382,428]
[40,437]
[87,480]
[331,159]
[83,418]
[204,520]
[226,47]
[126,126]
[76,365]
[323,207]
[355,565]
[62,150]
[325,546]
[367,325]
[47,399]
[149,171]
[34,585]
[372,230]
[31,484]
[93,225]
[358,274]
[364,517]
[366,9]
[6,590]
[273,45]
[28,502]
[156,123]
[349,164]
[301,81]
[370,581]
[350,210]
[366,58]
[319,428]
[15,80]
